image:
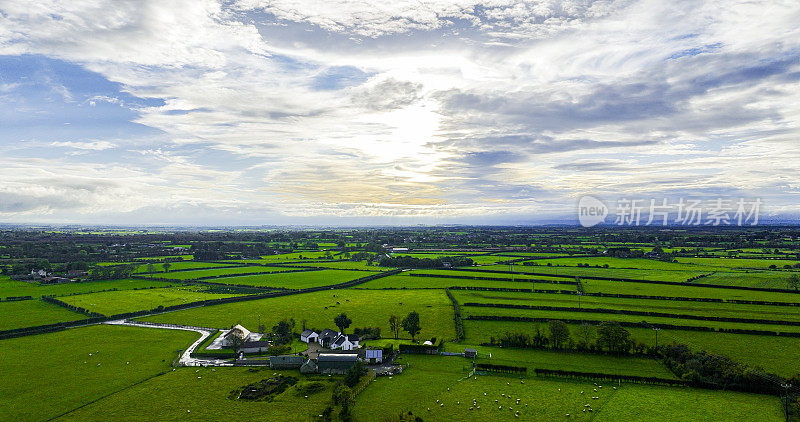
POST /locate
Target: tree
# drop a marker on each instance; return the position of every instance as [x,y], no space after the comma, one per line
[151,269]
[612,336]
[354,374]
[235,342]
[342,321]
[410,324]
[794,282]
[559,333]
[282,332]
[586,333]
[394,326]
[166,267]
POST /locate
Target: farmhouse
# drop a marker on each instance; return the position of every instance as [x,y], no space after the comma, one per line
[331,339]
[470,353]
[336,363]
[240,332]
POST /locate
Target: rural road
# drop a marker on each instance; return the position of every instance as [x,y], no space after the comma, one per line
[186,358]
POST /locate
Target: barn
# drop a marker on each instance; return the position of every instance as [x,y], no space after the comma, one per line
[338,363]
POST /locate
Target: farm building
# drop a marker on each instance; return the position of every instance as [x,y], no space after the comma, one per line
[330,363]
[309,367]
[373,356]
[470,353]
[309,336]
[326,337]
[286,362]
[255,346]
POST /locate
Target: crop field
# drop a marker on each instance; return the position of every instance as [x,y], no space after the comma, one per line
[118,302]
[294,280]
[218,272]
[429,379]
[366,308]
[71,368]
[30,313]
[166,397]
[10,287]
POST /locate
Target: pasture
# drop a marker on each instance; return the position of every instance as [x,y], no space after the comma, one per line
[217,272]
[166,396]
[30,313]
[70,368]
[366,308]
[10,287]
[404,281]
[431,381]
[294,280]
[118,302]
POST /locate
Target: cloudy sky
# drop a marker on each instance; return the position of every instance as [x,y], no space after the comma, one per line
[401,112]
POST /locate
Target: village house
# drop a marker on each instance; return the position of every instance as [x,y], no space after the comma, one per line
[331,339]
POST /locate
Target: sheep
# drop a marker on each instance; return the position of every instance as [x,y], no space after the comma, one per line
[441,405]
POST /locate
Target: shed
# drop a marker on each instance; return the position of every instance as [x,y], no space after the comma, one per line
[308,336]
[338,363]
[255,346]
[286,362]
[309,367]
[470,353]
[373,356]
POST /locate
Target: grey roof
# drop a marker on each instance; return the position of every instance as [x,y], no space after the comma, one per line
[337,357]
[468,350]
[307,333]
[286,359]
[328,333]
[261,343]
[339,340]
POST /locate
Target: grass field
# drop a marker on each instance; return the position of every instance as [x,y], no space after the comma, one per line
[687,290]
[431,378]
[166,397]
[402,281]
[189,275]
[782,358]
[30,313]
[60,375]
[181,266]
[635,274]
[713,309]
[294,280]
[118,302]
[366,308]
[343,265]
[10,287]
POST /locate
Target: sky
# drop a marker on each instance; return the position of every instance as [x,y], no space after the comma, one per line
[250,112]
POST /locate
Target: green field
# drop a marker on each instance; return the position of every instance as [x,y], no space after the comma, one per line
[294,280]
[343,265]
[10,287]
[431,378]
[173,266]
[60,376]
[404,281]
[784,352]
[30,313]
[166,396]
[118,302]
[366,308]
[687,290]
[189,275]
[635,274]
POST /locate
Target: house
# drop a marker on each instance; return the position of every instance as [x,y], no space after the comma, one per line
[373,356]
[470,353]
[255,346]
[286,362]
[38,274]
[345,342]
[327,336]
[336,363]
[331,339]
[240,332]
[309,336]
